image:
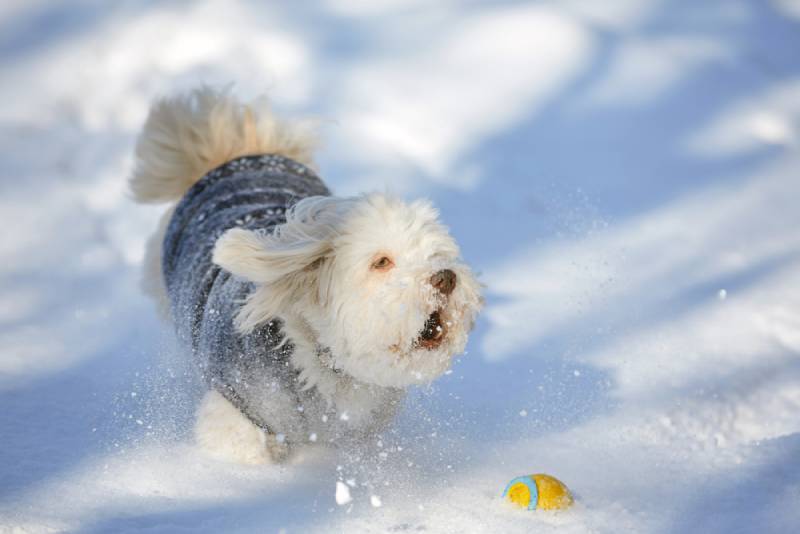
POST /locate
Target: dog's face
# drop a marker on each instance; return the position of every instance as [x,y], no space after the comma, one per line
[378,281]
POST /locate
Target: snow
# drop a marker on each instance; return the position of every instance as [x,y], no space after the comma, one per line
[342,494]
[623,176]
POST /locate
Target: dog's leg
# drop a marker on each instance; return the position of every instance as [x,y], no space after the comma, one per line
[152,281]
[222,430]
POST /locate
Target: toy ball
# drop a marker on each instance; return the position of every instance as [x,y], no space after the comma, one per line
[538,492]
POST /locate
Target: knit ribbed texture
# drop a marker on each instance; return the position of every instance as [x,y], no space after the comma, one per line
[252,192]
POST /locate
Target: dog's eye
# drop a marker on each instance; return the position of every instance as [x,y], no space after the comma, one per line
[382,264]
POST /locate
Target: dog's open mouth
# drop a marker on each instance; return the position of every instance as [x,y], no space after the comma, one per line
[432,333]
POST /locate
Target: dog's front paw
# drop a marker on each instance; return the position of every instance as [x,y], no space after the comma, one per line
[224,432]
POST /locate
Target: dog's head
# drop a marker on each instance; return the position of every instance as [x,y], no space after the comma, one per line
[378,281]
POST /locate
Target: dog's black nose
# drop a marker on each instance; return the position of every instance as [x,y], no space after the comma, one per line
[444,281]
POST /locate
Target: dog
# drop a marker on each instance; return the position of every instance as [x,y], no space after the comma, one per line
[308,314]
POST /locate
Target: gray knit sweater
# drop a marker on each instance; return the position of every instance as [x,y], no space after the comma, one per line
[251,370]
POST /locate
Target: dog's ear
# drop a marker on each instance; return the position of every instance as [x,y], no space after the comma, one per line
[297,245]
[264,259]
[289,264]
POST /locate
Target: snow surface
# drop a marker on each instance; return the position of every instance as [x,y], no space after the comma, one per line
[625,175]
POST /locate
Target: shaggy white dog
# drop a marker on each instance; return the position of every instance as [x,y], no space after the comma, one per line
[324,310]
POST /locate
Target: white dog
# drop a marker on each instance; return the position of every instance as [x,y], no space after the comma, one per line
[309,314]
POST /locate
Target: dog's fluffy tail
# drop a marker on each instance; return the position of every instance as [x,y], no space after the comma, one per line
[188,135]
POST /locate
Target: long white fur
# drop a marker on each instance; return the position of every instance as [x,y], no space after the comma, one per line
[313,271]
[187,135]
[223,431]
[152,277]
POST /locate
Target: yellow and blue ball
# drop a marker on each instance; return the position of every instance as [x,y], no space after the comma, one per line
[538,492]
